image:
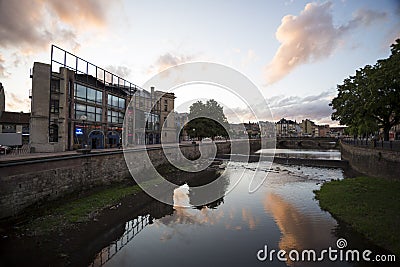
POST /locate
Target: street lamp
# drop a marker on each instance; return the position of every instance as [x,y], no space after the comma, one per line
[194,131]
[83,119]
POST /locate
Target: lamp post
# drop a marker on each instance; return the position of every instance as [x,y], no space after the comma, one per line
[83,119]
[194,134]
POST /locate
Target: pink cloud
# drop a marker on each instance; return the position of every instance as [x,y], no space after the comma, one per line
[312,36]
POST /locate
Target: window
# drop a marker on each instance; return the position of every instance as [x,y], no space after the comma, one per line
[91,112]
[115,116]
[91,95]
[53,133]
[152,121]
[121,103]
[55,86]
[116,102]
[54,106]
[165,107]
[80,91]
[9,128]
[88,94]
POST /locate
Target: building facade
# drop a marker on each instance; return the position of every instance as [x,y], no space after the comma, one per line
[167,116]
[323,130]
[13,122]
[287,128]
[180,121]
[308,128]
[71,110]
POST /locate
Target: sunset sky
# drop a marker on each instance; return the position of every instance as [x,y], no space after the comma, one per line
[295,52]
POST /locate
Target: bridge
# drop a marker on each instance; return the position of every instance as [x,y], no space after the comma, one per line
[281,142]
[307,142]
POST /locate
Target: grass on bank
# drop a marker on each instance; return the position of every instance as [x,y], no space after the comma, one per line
[370,205]
[80,210]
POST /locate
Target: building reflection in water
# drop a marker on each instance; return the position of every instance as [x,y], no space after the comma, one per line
[152,211]
[181,213]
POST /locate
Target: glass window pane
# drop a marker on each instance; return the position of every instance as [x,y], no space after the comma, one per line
[91,95]
[80,107]
[115,101]
[121,102]
[98,117]
[115,114]
[99,96]
[109,102]
[78,114]
[109,112]
[80,91]
[109,118]
[90,116]
[91,109]
[99,110]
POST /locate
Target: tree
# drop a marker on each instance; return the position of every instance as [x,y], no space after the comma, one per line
[207,120]
[370,99]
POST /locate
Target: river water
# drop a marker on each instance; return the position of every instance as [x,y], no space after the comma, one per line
[281,215]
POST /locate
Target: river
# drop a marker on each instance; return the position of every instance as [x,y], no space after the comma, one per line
[281,215]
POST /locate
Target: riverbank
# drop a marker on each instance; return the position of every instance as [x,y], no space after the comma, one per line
[69,231]
[85,206]
[369,205]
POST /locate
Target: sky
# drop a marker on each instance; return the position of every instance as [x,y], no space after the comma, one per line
[295,52]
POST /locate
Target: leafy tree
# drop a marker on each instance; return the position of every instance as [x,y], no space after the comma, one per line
[207,120]
[370,99]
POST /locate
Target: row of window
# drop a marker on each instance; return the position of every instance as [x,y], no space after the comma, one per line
[115,101]
[92,113]
[91,95]
[152,121]
[95,114]
[88,94]
[115,116]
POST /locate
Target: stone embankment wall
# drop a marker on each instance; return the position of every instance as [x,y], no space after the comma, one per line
[372,162]
[25,183]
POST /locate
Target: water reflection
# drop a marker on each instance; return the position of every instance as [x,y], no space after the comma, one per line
[152,211]
[282,214]
[132,228]
[299,230]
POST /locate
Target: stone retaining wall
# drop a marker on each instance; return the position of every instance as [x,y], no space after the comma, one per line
[27,183]
[372,162]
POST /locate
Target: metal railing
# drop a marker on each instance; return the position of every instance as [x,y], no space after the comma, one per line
[25,149]
[374,144]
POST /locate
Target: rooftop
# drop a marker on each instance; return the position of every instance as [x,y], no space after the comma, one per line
[15,117]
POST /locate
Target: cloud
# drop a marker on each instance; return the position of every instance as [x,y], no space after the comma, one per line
[33,24]
[312,36]
[16,102]
[168,60]
[249,58]
[80,13]
[314,107]
[3,72]
[121,71]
